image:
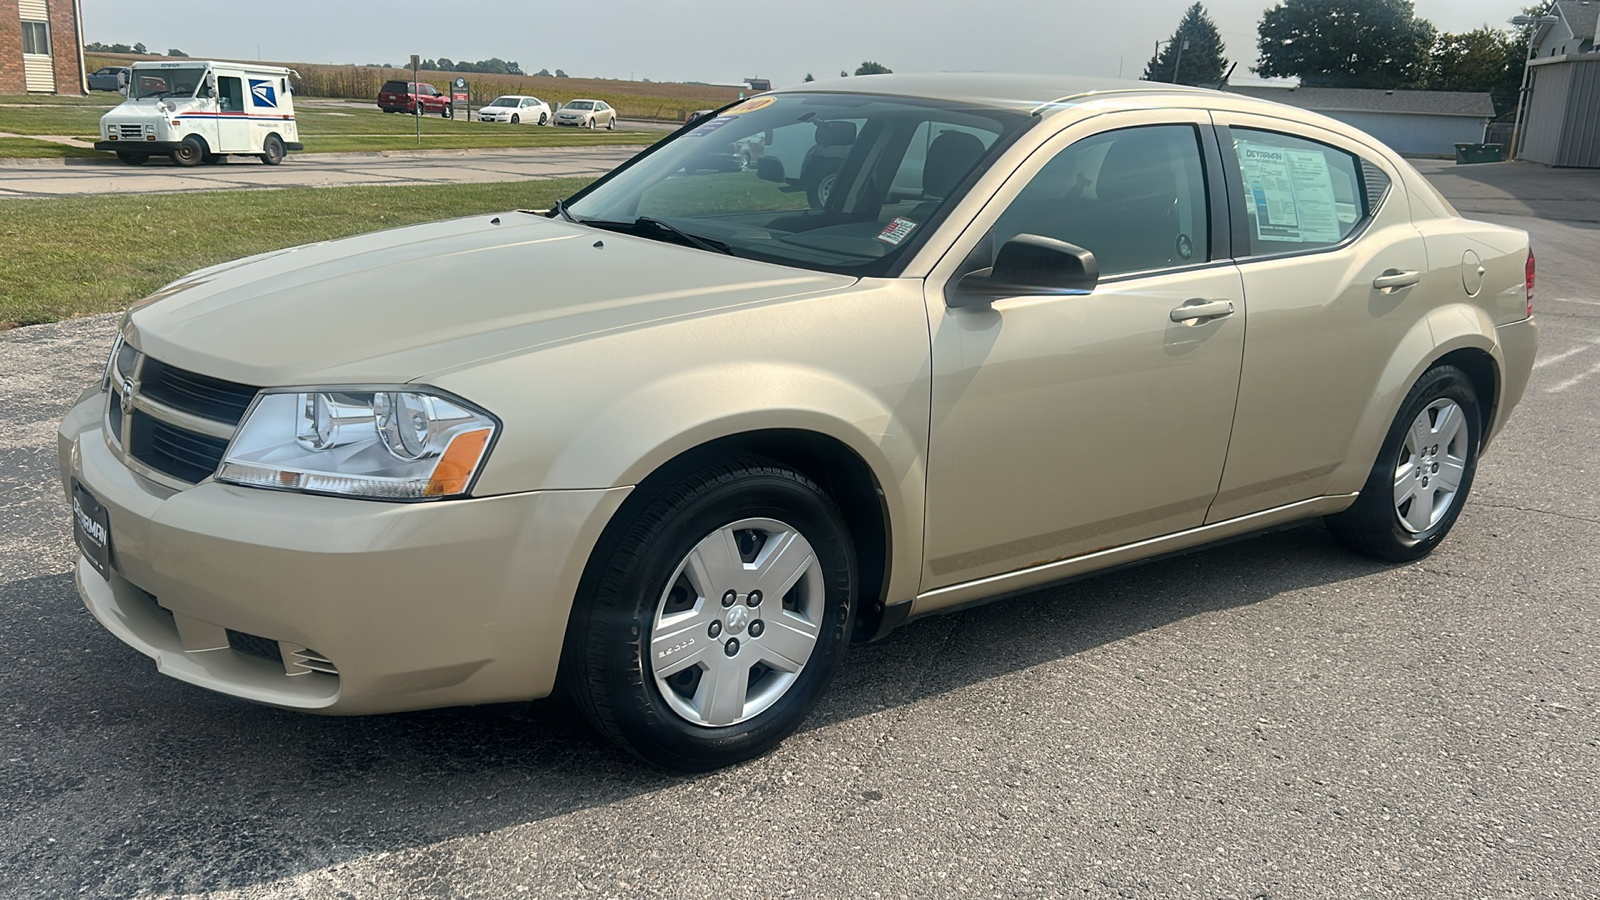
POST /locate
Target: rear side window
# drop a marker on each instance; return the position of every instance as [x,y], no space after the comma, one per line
[1299,194]
[1135,198]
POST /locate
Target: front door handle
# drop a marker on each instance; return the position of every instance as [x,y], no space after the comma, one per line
[1396,278]
[1196,311]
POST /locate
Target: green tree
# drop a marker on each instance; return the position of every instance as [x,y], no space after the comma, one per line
[445,64]
[1484,59]
[1346,43]
[1201,63]
[843,74]
[871,68]
[560,74]
[138,48]
[542,73]
[177,53]
[809,77]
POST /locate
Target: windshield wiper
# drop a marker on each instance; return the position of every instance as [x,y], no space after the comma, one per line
[561,209]
[696,240]
[644,226]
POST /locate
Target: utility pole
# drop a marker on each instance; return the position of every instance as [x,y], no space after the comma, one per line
[1178,63]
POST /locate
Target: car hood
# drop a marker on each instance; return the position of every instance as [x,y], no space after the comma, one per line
[396,306]
[143,110]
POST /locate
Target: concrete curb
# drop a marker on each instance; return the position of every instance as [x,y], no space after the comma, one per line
[27,162]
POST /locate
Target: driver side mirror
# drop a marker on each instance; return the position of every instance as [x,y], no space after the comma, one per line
[1028,264]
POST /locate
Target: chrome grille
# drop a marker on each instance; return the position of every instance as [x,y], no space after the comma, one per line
[131,131]
[169,424]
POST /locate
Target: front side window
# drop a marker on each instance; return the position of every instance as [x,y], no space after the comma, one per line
[230,95]
[579,104]
[837,182]
[1298,194]
[1135,198]
[36,38]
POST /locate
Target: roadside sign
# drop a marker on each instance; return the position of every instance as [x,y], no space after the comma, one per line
[461,93]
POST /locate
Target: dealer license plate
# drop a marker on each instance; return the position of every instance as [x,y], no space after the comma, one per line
[92,529]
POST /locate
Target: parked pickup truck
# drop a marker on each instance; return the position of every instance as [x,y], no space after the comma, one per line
[412,97]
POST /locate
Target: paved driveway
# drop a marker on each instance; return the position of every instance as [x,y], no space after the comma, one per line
[313,170]
[1273,718]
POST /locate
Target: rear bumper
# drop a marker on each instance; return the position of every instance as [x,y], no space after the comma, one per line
[415,606]
[1519,344]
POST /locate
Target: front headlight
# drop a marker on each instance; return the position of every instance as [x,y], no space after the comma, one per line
[401,443]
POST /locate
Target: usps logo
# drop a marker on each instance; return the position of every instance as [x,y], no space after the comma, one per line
[263,94]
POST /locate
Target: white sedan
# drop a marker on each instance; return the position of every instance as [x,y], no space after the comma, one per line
[516,109]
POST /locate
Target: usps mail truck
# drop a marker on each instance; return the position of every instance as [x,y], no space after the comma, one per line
[198,111]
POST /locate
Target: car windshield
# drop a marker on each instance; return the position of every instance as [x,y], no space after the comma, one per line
[580,104]
[504,101]
[164,82]
[837,182]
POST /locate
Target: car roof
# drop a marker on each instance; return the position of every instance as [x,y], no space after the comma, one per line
[1052,94]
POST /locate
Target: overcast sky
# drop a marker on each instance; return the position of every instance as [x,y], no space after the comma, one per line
[702,40]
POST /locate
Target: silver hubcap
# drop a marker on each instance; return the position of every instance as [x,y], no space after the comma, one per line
[737,623]
[1431,464]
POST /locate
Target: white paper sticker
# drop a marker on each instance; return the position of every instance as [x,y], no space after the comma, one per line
[1292,191]
[897,231]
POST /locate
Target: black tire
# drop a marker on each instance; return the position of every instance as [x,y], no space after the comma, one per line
[606,667]
[1372,525]
[133,159]
[189,153]
[212,159]
[819,191]
[449,112]
[543,119]
[272,150]
[590,124]
[516,119]
[611,124]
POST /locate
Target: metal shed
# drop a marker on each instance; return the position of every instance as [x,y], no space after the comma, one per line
[1563,127]
[1416,122]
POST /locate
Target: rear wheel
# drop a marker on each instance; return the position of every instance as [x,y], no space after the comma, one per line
[189,153]
[543,118]
[611,124]
[133,159]
[1423,473]
[272,150]
[211,159]
[708,629]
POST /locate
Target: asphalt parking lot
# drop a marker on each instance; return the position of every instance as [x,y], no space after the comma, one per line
[1272,718]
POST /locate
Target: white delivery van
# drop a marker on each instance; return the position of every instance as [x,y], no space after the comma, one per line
[200,111]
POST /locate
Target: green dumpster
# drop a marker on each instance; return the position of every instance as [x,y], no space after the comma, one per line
[1478,153]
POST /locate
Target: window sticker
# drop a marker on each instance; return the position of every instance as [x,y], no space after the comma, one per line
[709,126]
[1292,191]
[751,105]
[897,231]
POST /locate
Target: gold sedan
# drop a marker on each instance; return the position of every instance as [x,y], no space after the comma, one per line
[1032,327]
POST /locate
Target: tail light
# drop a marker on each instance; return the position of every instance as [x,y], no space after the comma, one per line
[1529,272]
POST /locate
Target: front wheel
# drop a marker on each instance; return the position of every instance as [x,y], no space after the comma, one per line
[516,119]
[589,124]
[189,153]
[272,150]
[449,112]
[708,628]
[1422,475]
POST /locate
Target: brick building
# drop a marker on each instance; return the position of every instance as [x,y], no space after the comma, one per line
[41,47]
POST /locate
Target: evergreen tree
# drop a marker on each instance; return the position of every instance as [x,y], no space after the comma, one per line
[871,68]
[1201,63]
[809,77]
[1346,43]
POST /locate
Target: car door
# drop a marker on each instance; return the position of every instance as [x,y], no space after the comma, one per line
[1330,261]
[233,120]
[1065,424]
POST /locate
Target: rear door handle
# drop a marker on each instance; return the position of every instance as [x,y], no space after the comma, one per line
[1196,311]
[1396,278]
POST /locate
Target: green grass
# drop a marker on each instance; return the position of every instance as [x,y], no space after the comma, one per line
[84,255]
[25,148]
[325,131]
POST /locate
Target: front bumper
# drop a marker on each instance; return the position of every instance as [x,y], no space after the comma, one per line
[417,606]
[151,147]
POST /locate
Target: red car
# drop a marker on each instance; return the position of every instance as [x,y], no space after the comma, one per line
[412,97]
